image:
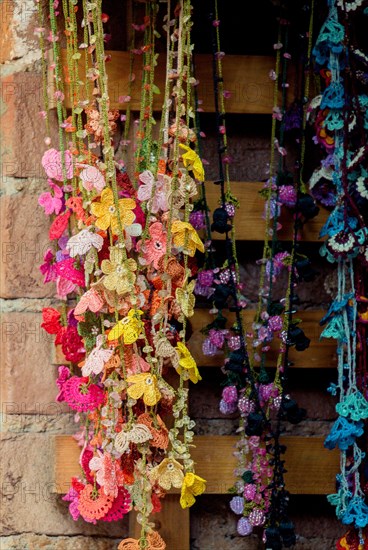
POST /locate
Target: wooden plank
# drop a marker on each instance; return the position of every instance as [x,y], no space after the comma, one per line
[311,467]
[249,222]
[321,354]
[245,76]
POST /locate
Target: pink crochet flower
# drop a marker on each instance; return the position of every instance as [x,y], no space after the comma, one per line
[51,162]
[52,204]
[92,179]
[90,300]
[155,247]
[82,397]
[162,188]
[72,496]
[108,473]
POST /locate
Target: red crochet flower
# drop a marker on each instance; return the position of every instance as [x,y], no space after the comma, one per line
[82,397]
[59,225]
[72,345]
[51,320]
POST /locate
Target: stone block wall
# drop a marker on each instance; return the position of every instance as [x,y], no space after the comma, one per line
[33,516]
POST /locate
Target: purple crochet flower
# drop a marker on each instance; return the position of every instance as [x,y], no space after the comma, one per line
[205,277]
[217,337]
[275,323]
[208,348]
[287,195]
[197,219]
[229,394]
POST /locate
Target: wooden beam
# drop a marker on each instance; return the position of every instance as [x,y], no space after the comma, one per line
[249,222]
[311,468]
[321,354]
[245,76]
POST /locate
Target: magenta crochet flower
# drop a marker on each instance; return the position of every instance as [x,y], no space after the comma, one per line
[64,374]
[120,506]
[80,396]
[287,195]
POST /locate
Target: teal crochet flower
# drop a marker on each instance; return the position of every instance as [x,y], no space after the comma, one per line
[353,406]
[343,434]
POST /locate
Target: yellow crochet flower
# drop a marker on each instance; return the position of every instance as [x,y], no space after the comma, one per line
[106,211]
[129,328]
[168,474]
[186,299]
[119,273]
[187,362]
[186,237]
[192,487]
[192,162]
[144,384]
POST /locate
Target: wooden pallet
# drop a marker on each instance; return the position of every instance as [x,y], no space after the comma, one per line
[311,468]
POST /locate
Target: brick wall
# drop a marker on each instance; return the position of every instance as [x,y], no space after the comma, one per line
[33,516]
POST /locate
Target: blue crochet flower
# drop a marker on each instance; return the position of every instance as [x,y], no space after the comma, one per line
[343,434]
[356,512]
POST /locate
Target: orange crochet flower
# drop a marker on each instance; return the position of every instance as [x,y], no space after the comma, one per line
[154,540]
[160,435]
[93,503]
[106,212]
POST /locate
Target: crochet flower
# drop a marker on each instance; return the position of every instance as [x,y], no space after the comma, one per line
[186,238]
[169,473]
[144,385]
[82,397]
[82,242]
[155,247]
[106,212]
[119,273]
[187,362]
[52,204]
[158,201]
[92,178]
[192,162]
[47,268]
[96,360]
[186,299]
[91,300]
[193,486]
[52,164]
[108,473]
[129,328]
